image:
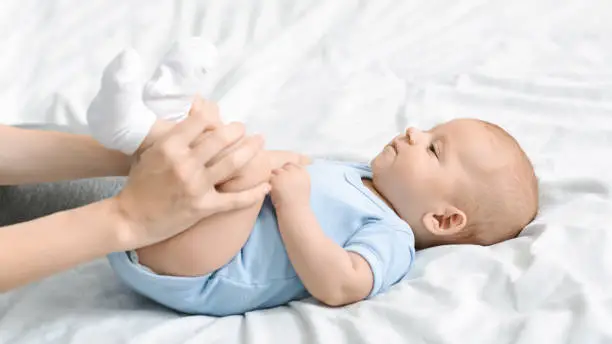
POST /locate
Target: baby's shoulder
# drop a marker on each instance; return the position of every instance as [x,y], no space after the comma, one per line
[338,163]
[389,223]
[339,167]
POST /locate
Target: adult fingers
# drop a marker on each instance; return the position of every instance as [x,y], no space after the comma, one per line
[239,200]
[289,166]
[198,121]
[216,141]
[227,150]
[224,168]
[212,116]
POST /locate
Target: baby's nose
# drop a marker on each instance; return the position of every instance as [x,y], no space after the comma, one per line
[411,135]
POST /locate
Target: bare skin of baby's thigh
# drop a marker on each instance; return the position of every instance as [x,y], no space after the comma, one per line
[215,240]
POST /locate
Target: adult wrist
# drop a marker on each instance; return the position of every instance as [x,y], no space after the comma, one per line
[124,226]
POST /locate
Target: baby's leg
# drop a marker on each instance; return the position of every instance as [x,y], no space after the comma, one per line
[215,240]
[119,120]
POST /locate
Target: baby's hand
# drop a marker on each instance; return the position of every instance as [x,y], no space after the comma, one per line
[290,186]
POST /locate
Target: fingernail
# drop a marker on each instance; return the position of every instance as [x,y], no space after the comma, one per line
[194,107]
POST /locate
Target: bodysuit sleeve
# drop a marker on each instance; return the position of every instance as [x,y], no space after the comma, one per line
[388,249]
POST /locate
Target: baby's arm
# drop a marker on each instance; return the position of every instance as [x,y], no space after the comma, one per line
[331,274]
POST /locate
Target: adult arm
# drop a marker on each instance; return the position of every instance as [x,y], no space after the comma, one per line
[38,248]
[36,156]
[168,189]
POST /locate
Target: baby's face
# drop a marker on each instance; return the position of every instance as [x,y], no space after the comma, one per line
[420,170]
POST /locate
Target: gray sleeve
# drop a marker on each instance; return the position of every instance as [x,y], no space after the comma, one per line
[26,202]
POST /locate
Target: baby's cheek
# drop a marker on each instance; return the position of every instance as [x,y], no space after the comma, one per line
[422,184]
[411,174]
[405,184]
[382,162]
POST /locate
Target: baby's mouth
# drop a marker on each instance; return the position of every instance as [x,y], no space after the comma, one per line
[393,145]
[391,148]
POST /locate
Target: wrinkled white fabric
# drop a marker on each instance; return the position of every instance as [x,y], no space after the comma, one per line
[339,78]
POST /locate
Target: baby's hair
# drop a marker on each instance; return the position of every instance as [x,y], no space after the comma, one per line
[501,202]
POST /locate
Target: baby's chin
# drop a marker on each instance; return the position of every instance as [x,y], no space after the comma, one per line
[381,161]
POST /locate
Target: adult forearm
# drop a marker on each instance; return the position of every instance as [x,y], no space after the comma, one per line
[324,267]
[33,250]
[34,156]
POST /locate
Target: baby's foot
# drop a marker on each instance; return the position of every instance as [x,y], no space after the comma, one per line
[117,117]
[179,77]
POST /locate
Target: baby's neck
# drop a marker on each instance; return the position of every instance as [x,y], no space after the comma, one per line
[370,185]
[420,242]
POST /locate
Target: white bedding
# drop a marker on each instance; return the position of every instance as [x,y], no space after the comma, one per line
[339,78]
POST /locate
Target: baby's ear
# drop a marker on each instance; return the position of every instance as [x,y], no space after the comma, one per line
[447,221]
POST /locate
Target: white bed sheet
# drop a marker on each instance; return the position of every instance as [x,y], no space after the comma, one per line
[339,78]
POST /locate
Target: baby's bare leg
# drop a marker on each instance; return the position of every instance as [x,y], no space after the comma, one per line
[215,240]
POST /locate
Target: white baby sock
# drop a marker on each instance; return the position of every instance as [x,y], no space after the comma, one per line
[117,116]
[179,77]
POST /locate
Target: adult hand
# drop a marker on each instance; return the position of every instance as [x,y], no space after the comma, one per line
[172,184]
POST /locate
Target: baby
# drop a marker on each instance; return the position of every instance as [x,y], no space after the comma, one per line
[339,232]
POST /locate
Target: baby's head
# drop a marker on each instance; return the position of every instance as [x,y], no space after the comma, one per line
[462,182]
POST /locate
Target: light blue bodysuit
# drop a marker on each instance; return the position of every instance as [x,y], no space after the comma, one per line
[261,276]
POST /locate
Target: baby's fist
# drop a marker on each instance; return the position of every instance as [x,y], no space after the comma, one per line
[290,185]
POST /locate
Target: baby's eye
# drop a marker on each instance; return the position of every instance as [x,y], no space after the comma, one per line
[432,149]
